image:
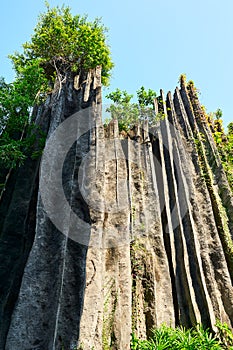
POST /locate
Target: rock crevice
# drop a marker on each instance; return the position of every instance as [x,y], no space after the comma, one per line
[158,215]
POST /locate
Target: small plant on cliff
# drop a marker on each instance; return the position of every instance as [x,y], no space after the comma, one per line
[224,142]
[226,153]
[182,79]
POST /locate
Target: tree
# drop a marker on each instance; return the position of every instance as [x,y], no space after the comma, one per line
[129,113]
[61,44]
[126,112]
[145,98]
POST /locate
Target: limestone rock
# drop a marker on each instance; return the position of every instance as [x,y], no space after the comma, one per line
[146,239]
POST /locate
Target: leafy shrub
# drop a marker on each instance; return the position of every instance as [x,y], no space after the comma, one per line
[180,338]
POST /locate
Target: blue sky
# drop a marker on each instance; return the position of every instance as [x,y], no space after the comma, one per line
[152,42]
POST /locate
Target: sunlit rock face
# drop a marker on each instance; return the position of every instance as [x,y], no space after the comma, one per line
[127,230]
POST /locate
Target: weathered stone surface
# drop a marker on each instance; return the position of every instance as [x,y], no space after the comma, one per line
[175,262]
[17,225]
[49,305]
[159,212]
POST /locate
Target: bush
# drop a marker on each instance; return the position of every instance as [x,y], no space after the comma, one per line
[180,338]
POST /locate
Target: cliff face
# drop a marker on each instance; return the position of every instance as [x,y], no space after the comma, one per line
[153,238]
[177,264]
[54,277]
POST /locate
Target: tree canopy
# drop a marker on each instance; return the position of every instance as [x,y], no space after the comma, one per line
[61,43]
[129,113]
[70,41]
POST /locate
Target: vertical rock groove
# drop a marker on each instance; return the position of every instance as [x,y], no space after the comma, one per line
[159,213]
[48,310]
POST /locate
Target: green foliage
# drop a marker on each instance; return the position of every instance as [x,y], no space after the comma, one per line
[14,115]
[230,129]
[226,153]
[120,97]
[223,140]
[218,114]
[145,98]
[180,338]
[16,102]
[63,42]
[192,88]
[11,154]
[225,335]
[182,79]
[224,144]
[128,113]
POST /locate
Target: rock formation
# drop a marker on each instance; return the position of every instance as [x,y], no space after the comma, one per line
[147,239]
